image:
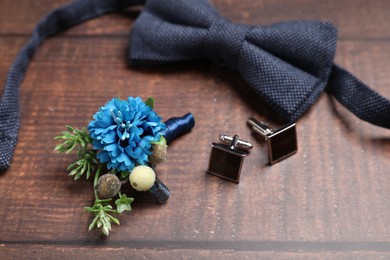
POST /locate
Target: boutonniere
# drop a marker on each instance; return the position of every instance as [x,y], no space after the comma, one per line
[121,146]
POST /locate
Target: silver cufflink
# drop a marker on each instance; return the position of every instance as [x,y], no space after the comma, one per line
[226,159]
[281,143]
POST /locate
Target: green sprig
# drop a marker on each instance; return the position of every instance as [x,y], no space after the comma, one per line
[102,218]
[87,157]
[72,138]
[83,166]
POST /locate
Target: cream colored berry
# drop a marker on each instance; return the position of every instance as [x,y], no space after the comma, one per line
[142,178]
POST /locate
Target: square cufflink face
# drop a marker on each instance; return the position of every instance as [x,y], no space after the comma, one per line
[282,143]
[225,162]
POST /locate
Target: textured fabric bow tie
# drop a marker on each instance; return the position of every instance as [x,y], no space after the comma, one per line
[287,64]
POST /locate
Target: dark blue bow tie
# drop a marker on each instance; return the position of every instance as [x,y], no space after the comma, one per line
[287,64]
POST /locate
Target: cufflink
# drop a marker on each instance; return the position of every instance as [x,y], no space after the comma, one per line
[226,159]
[281,143]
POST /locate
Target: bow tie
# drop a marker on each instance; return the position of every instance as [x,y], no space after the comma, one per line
[287,64]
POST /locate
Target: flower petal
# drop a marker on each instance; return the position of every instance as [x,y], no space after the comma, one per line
[109,138]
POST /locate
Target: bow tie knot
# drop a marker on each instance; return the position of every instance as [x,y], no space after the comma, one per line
[224,42]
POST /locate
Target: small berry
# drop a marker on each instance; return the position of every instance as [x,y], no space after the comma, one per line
[142,178]
[159,151]
[108,186]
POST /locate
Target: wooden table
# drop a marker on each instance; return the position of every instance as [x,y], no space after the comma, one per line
[330,200]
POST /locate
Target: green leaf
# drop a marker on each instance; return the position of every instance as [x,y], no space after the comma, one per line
[72,165]
[99,222]
[93,223]
[75,171]
[106,230]
[123,203]
[115,220]
[150,102]
[88,171]
[70,129]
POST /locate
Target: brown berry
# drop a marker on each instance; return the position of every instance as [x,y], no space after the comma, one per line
[159,151]
[108,186]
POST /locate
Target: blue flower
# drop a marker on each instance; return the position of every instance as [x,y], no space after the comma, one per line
[122,131]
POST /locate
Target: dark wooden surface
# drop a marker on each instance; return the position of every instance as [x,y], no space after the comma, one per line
[330,200]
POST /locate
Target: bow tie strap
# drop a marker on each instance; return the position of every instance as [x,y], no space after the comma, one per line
[358,98]
[287,64]
[58,20]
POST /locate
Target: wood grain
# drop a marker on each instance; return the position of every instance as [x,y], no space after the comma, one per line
[82,252]
[330,200]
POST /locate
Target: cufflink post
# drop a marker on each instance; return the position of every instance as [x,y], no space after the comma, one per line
[226,159]
[235,142]
[281,143]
